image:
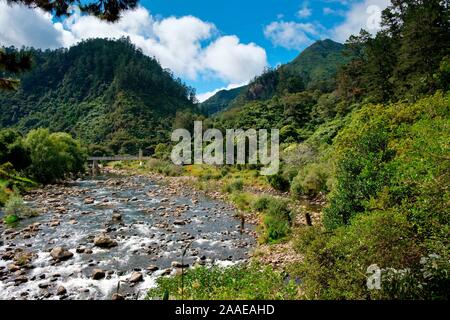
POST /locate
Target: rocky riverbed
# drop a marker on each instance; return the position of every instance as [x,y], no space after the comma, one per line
[111,237]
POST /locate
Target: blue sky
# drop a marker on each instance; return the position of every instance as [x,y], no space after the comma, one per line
[209,44]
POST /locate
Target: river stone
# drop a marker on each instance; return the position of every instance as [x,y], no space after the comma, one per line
[60,253]
[103,241]
[176,264]
[98,274]
[89,201]
[116,217]
[179,222]
[117,296]
[152,268]
[136,277]
[61,291]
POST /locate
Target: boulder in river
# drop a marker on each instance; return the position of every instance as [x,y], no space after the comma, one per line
[60,253]
[61,291]
[98,274]
[117,296]
[104,241]
[179,222]
[116,217]
[136,277]
[89,201]
[176,264]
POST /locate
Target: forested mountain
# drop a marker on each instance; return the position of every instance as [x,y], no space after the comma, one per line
[220,101]
[314,68]
[105,92]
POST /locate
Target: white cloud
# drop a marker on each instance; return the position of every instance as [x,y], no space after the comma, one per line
[187,45]
[234,61]
[362,15]
[291,35]
[206,95]
[21,26]
[304,12]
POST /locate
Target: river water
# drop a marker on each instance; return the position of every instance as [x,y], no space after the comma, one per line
[153,224]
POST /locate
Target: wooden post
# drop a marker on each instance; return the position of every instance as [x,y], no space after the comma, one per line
[140,157]
[95,168]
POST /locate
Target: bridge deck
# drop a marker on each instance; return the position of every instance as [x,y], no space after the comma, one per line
[118,158]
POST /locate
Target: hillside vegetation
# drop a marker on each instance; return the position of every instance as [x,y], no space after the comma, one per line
[104,92]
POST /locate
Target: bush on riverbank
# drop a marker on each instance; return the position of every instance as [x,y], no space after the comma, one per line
[16,209]
[241,282]
[277,219]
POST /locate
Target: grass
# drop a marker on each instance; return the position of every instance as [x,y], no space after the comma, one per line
[240,282]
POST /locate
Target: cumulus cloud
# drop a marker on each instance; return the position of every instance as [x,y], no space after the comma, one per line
[291,35]
[190,47]
[20,26]
[361,15]
[233,60]
[305,11]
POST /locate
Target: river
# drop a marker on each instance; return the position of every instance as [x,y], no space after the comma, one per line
[147,222]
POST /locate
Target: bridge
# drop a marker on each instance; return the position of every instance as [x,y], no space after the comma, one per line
[95,160]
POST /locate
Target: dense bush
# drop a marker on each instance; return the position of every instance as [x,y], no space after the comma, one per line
[393,156]
[388,206]
[277,219]
[232,283]
[278,182]
[54,156]
[310,181]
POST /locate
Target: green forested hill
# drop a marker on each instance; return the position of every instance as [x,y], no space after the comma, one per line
[315,68]
[105,92]
[220,101]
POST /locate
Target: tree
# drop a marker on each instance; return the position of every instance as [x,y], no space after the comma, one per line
[12,63]
[54,155]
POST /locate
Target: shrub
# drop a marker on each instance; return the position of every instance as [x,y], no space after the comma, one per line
[16,207]
[240,282]
[242,200]
[261,203]
[278,182]
[277,220]
[335,264]
[236,185]
[165,167]
[275,229]
[310,181]
[54,155]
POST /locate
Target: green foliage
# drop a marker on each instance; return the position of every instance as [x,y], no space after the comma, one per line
[54,155]
[262,203]
[164,167]
[12,149]
[276,221]
[335,264]
[239,282]
[389,154]
[236,185]
[311,180]
[102,91]
[403,60]
[278,182]
[15,207]
[11,220]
